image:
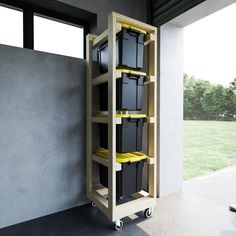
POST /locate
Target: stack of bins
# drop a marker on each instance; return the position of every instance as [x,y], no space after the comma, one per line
[129,97]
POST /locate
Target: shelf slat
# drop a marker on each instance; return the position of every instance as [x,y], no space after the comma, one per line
[150,160]
[100,201]
[140,194]
[141,25]
[133,206]
[103,36]
[103,191]
[104,161]
[149,79]
[104,78]
[104,120]
[149,38]
[150,120]
[100,79]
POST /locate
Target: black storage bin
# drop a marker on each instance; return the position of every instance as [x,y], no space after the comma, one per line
[129,50]
[129,92]
[128,135]
[128,180]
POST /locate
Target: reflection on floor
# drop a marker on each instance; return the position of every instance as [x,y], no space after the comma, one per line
[201,209]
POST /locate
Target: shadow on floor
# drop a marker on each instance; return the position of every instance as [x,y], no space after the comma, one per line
[84,220]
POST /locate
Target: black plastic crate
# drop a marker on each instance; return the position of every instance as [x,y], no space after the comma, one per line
[129,50]
[128,180]
[128,135]
[129,92]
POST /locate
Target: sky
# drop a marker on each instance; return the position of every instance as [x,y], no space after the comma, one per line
[210,47]
[49,35]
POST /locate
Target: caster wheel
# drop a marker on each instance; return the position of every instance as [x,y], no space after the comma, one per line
[148,213]
[92,204]
[118,225]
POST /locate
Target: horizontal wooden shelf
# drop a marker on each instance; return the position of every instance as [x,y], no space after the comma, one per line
[150,120]
[142,201]
[141,25]
[103,191]
[150,79]
[104,78]
[104,161]
[104,36]
[128,208]
[100,79]
[104,120]
[150,160]
[99,200]
[149,38]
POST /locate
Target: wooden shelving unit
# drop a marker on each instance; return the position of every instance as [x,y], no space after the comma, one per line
[105,198]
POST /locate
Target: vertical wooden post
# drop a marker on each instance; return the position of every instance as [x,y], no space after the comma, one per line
[89,105]
[158,111]
[111,113]
[152,112]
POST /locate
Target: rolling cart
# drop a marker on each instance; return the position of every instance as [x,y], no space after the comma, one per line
[106,198]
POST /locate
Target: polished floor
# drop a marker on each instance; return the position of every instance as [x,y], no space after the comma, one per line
[201,209]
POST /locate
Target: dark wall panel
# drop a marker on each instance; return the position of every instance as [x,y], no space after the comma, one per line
[163,11]
[132,8]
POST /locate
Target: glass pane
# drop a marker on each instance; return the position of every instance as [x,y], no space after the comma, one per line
[56,37]
[11,27]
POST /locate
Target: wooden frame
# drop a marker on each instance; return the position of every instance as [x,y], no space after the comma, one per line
[96,194]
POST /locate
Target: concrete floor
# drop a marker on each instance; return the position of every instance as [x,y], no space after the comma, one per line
[201,209]
[219,187]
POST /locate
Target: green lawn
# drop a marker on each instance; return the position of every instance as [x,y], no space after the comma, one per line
[208,146]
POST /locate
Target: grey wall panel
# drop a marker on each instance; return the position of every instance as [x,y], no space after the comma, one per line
[42,127]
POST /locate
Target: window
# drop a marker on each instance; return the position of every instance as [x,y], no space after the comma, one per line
[58,37]
[11,27]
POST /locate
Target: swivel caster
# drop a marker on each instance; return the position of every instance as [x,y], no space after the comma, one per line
[92,204]
[118,225]
[148,213]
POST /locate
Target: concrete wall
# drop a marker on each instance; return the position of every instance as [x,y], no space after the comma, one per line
[42,126]
[171,109]
[133,8]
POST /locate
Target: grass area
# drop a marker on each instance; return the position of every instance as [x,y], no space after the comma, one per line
[208,146]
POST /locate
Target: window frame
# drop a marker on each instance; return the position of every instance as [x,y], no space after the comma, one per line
[28,20]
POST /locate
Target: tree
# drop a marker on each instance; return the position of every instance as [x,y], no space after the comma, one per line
[229,104]
[206,101]
[232,85]
[194,89]
[213,102]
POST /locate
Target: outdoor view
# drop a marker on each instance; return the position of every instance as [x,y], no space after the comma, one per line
[210,94]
